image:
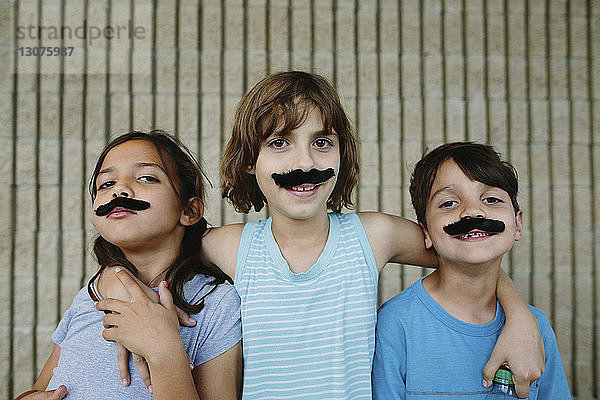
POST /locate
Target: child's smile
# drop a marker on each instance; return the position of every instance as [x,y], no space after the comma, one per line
[469,222]
[296,170]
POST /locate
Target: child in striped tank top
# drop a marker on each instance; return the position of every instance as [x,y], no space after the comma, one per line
[307,276]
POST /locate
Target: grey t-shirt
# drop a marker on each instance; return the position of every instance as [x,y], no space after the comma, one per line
[88,363]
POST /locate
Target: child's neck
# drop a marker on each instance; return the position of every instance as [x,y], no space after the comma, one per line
[152,264]
[301,242]
[468,293]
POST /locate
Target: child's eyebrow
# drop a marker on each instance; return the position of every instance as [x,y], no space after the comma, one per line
[149,164]
[105,171]
[316,133]
[325,133]
[441,190]
[137,165]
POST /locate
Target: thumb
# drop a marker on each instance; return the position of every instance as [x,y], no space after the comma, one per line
[489,371]
[164,296]
[59,393]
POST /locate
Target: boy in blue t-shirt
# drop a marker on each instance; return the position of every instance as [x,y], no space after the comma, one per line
[433,339]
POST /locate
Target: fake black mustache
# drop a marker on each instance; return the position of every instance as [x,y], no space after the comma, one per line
[124,202]
[297,177]
[467,224]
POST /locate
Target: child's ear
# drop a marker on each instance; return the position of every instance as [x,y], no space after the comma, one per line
[428,243]
[519,225]
[192,212]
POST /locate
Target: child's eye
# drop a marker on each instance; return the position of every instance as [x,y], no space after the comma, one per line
[148,178]
[492,200]
[323,143]
[278,143]
[106,185]
[448,204]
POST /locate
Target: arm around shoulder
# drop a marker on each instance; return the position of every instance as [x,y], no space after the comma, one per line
[396,239]
[40,385]
[520,344]
[220,247]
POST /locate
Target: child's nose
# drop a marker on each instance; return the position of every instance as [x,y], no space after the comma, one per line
[472,209]
[304,160]
[122,190]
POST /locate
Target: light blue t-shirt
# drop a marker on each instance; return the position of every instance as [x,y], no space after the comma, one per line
[422,352]
[309,335]
[88,363]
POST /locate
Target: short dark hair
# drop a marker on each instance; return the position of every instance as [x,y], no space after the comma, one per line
[479,162]
[282,101]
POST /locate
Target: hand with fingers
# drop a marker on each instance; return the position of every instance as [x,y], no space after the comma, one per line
[142,326]
[522,352]
[112,287]
[57,394]
[150,330]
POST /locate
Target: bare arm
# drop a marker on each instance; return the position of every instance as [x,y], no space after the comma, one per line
[40,385]
[396,239]
[220,247]
[520,344]
[221,377]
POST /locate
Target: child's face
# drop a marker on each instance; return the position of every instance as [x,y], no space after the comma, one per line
[135,170]
[455,196]
[307,147]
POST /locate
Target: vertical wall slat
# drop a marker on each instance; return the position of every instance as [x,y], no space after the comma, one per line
[25,208]
[593,25]
[412,105]
[8,118]
[323,38]
[454,106]
[211,102]
[581,198]
[368,124]
[233,80]
[389,110]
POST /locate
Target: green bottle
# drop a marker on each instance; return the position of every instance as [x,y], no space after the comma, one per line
[503,386]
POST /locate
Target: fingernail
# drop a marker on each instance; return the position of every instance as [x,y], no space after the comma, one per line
[125,382]
[166,284]
[485,383]
[118,269]
[149,388]
[191,365]
[191,320]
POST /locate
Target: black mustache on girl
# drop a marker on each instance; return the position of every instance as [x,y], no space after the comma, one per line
[124,202]
[297,177]
[467,224]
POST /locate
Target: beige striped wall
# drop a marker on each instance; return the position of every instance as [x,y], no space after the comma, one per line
[523,76]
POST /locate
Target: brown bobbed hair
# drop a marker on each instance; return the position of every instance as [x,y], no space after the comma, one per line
[479,162]
[280,103]
[187,179]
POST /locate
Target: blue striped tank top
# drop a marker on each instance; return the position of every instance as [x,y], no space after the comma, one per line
[308,335]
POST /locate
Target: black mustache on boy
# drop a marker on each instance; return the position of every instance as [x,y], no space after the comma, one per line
[467,224]
[298,177]
[123,202]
